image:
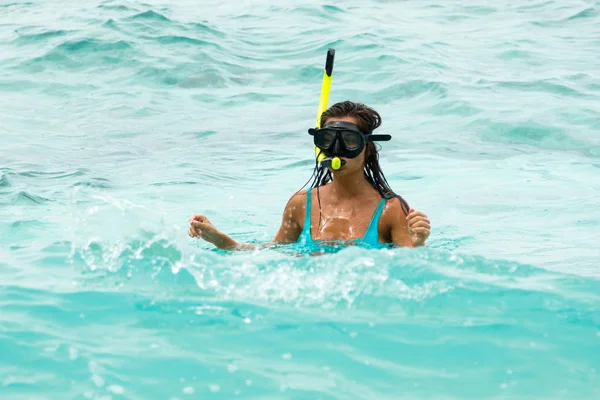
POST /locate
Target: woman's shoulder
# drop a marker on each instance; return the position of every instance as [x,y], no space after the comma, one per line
[300,195]
[298,199]
[296,206]
[395,206]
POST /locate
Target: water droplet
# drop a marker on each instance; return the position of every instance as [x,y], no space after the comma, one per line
[214,388]
[231,368]
[503,386]
[509,372]
[353,334]
[51,349]
[73,354]
[247,320]
[98,381]
[286,356]
[116,389]
[188,390]
[248,382]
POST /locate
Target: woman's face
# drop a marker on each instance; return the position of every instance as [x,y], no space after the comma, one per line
[352,164]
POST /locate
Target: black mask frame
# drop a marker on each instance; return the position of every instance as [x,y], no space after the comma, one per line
[344,133]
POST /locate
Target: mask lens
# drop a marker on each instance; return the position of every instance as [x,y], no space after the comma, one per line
[351,139]
[325,138]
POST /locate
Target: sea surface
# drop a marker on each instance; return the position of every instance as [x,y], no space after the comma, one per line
[119,119]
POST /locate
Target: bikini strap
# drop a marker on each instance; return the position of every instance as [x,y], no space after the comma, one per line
[308,207]
[372,233]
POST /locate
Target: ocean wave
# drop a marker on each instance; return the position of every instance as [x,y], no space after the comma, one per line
[4,181]
[589,12]
[180,39]
[149,15]
[116,7]
[78,54]
[14,85]
[392,314]
[410,89]
[25,197]
[284,275]
[52,174]
[18,5]
[93,45]
[33,38]
[548,85]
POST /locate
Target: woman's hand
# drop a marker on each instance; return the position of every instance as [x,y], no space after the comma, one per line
[201,227]
[419,227]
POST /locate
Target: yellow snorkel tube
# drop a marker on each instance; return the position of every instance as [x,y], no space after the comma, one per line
[336,163]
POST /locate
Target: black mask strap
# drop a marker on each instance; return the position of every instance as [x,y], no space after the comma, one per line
[378,138]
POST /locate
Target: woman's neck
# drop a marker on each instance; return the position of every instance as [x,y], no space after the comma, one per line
[350,186]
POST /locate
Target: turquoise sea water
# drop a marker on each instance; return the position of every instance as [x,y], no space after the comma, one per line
[119,119]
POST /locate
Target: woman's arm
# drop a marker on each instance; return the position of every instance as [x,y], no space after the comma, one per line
[410,230]
[291,221]
[289,231]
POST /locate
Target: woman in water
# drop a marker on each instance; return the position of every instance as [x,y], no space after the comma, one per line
[354,202]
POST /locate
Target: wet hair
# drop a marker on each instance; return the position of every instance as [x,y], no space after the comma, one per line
[368,120]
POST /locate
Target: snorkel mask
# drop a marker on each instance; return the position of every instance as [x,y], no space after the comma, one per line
[342,139]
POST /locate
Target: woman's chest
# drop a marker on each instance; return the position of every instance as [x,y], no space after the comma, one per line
[343,223]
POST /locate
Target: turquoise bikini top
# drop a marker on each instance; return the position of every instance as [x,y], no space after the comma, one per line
[370,239]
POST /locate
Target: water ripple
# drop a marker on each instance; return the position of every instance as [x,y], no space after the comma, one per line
[149,15]
[24,197]
[33,38]
[589,12]
[76,54]
[116,7]
[4,181]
